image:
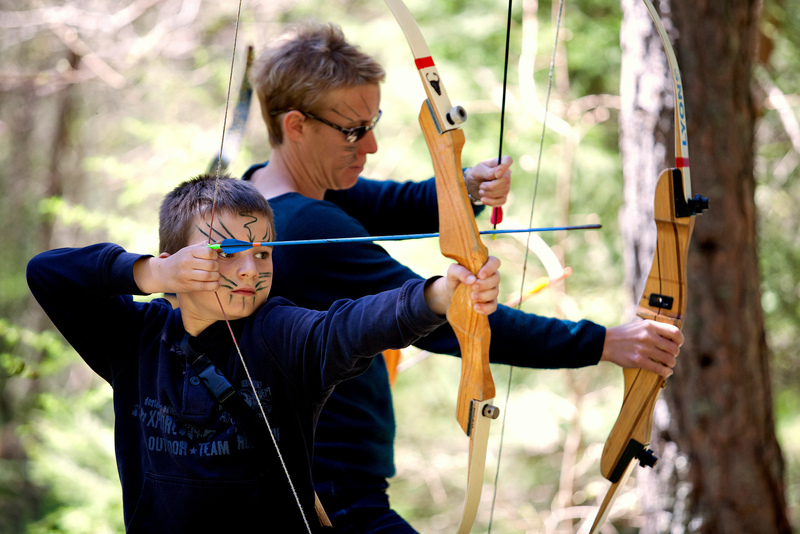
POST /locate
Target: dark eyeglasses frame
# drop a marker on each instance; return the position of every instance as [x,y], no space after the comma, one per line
[351,135]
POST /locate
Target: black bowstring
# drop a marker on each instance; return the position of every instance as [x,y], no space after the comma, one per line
[222,309]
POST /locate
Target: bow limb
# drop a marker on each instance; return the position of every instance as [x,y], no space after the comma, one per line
[663,299]
[446,117]
[460,241]
[235,133]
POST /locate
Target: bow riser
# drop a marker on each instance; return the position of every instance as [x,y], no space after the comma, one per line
[664,295]
[459,240]
[663,300]
[631,433]
[472,331]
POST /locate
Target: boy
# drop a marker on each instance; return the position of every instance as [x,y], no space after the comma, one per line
[192,456]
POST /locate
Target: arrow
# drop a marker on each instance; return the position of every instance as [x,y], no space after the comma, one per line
[231,246]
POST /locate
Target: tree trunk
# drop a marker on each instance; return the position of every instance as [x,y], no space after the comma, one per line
[720,468]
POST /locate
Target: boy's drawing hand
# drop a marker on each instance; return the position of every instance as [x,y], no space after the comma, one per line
[193,268]
[484,288]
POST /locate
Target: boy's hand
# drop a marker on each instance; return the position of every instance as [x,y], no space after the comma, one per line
[484,288]
[193,268]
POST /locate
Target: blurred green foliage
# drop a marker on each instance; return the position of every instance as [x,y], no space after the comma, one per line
[778,200]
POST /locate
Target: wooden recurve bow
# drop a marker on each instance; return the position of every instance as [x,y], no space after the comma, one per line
[663,299]
[460,241]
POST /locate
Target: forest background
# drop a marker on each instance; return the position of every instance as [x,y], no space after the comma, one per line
[106,106]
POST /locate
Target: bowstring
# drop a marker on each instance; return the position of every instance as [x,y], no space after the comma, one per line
[216,294]
[498,210]
[528,240]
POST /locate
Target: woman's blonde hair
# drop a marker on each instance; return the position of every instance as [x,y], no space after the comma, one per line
[299,68]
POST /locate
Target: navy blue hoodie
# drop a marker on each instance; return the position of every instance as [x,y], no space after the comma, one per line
[183,462]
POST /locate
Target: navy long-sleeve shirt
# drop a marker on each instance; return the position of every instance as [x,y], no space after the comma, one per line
[356,429]
[183,463]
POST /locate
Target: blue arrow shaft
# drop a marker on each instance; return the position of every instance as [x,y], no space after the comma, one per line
[231,245]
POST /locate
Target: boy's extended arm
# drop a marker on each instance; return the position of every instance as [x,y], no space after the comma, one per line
[318,349]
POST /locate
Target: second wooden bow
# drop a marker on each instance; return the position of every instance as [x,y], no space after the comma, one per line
[460,241]
[663,299]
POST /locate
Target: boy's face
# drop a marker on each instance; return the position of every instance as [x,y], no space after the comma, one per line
[245,276]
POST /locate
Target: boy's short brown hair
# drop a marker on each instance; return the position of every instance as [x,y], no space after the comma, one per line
[195,198]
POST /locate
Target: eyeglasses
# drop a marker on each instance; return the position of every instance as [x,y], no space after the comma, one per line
[351,135]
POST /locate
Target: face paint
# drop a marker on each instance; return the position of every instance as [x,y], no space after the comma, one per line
[245,276]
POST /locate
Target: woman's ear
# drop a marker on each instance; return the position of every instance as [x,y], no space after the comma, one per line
[294,124]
